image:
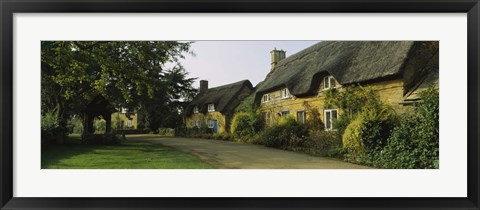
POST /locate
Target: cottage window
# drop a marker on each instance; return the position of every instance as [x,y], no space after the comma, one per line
[211,108]
[129,123]
[330,116]
[301,117]
[197,123]
[195,109]
[329,82]
[266,98]
[285,113]
[210,123]
[266,117]
[285,93]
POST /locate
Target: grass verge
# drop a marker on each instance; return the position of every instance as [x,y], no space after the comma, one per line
[127,155]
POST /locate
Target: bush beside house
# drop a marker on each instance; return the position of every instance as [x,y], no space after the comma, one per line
[377,138]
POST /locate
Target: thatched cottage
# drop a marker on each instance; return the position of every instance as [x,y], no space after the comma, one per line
[397,70]
[214,107]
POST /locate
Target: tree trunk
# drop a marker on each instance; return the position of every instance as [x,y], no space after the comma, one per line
[87,124]
[62,123]
[108,122]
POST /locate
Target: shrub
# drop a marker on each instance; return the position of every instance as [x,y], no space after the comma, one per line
[140,125]
[414,143]
[222,136]
[49,121]
[245,125]
[287,134]
[376,128]
[321,142]
[51,129]
[400,150]
[180,131]
[193,132]
[166,131]
[336,152]
[351,139]
[368,132]
[341,123]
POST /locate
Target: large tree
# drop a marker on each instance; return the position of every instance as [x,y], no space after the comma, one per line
[129,74]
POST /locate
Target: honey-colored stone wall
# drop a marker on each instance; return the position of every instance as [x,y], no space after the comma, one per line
[119,117]
[391,92]
[190,121]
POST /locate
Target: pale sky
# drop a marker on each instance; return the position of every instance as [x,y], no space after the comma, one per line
[224,62]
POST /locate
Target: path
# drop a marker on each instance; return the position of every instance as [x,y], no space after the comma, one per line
[225,154]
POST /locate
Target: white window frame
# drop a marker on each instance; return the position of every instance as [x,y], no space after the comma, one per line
[330,111]
[197,123]
[266,117]
[211,107]
[304,117]
[129,123]
[328,80]
[195,109]
[265,98]
[210,123]
[285,111]
[285,93]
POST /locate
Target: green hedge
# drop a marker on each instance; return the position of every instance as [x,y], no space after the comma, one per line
[245,125]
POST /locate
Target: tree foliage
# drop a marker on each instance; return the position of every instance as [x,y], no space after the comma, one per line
[130,74]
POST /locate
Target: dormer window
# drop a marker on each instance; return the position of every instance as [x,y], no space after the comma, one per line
[266,98]
[195,109]
[329,82]
[285,93]
[211,108]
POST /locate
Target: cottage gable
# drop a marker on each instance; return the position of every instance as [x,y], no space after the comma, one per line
[222,98]
[213,108]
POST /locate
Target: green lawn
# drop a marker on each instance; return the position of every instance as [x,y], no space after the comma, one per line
[127,155]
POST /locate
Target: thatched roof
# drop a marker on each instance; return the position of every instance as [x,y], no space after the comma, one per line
[429,80]
[347,61]
[223,97]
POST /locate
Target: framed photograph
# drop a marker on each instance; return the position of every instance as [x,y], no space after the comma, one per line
[239,105]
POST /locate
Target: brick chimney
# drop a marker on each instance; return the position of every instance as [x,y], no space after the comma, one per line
[277,55]
[203,86]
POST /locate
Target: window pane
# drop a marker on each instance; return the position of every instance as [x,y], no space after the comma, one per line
[328,119]
[301,117]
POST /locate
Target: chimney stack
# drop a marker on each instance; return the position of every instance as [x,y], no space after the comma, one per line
[277,55]
[203,86]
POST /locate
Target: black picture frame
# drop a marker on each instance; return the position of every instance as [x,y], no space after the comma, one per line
[9,7]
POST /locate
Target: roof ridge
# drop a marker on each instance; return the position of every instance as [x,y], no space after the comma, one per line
[229,84]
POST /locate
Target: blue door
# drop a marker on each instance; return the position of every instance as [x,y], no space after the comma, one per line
[215,126]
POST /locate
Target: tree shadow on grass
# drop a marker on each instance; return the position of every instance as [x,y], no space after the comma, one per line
[127,155]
